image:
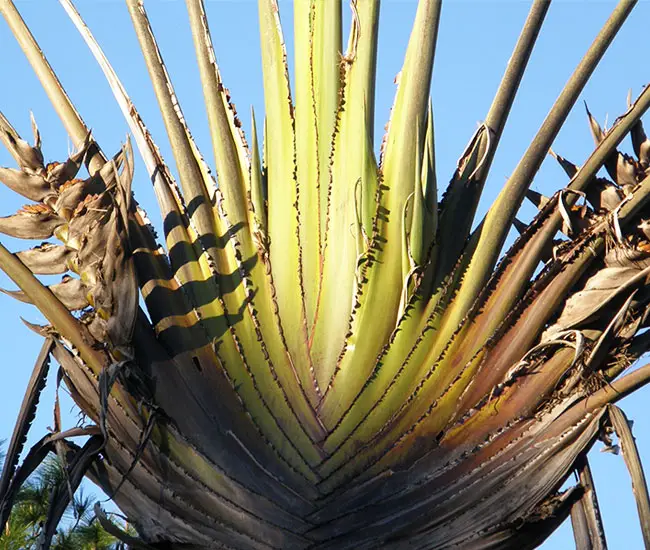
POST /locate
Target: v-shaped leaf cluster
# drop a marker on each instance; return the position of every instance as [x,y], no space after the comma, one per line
[330,356]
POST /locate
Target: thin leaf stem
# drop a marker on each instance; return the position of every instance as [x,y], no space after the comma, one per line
[494,229]
[64,108]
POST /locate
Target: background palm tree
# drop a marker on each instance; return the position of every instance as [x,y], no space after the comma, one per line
[79,530]
[390,418]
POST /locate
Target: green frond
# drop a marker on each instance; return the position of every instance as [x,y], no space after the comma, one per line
[326,353]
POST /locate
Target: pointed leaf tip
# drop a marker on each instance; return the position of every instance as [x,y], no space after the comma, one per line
[519,225]
[596,130]
[536,198]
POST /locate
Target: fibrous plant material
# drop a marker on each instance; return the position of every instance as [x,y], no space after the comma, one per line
[330,356]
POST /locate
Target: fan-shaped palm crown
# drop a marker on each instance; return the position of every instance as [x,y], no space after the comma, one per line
[331,358]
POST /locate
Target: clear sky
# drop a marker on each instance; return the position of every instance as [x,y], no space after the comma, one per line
[475,42]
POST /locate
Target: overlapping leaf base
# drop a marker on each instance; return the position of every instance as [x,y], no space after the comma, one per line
[330,358]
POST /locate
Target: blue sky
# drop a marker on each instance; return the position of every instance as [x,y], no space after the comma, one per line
[475,42]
